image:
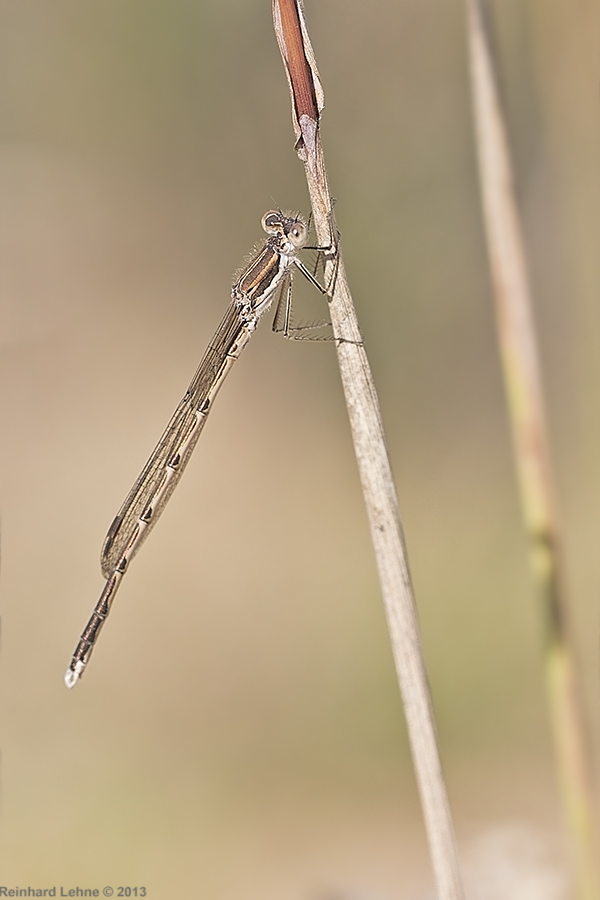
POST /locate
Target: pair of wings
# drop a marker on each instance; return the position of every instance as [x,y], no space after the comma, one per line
[227,342]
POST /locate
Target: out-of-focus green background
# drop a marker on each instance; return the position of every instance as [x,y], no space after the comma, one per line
[239,734]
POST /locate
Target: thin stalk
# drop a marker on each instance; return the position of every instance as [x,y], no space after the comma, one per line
[516,335]
[371,453]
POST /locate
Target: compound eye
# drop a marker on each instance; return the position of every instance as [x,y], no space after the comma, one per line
[271,222]
[298,234]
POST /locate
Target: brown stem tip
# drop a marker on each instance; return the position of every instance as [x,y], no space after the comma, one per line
[299,61]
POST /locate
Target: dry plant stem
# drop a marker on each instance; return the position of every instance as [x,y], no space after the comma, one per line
[373,462]
[523,387]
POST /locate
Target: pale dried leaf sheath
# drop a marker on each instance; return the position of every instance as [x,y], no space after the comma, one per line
[373,462]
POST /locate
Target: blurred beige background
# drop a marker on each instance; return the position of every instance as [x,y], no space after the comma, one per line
[239,734]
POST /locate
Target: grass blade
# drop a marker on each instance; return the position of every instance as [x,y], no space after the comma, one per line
[518,347]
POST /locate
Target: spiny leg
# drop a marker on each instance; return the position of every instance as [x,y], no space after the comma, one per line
[282,321]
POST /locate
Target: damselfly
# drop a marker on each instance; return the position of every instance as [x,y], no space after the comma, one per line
[267,275]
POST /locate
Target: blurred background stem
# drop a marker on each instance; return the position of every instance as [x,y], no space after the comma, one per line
[518,347]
